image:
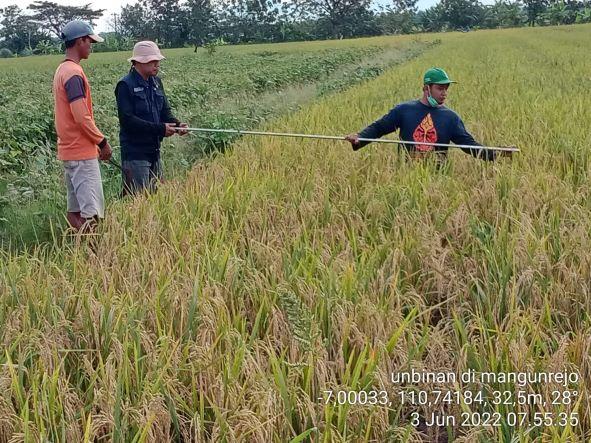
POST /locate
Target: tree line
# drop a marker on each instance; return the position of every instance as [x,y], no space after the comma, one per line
[177,23]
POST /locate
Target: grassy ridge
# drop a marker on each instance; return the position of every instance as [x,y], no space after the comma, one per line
[221,308]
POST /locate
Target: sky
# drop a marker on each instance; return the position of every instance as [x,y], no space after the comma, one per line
[114,6]
[102,25]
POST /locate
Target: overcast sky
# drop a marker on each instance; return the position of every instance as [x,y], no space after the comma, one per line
[113,6]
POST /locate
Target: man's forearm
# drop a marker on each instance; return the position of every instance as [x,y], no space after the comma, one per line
[477,151]
[377,129]
[481,153]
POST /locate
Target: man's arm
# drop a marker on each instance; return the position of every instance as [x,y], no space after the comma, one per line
[127,118]
[460,136]
[385,125]
[76,93]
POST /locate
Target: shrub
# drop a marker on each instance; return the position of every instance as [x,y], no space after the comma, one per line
[5,53]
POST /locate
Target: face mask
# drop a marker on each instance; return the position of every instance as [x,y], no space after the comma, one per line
[431,100]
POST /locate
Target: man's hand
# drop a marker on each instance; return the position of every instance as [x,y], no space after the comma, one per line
[106,152]
[170,129]
[181,130]
[353,139]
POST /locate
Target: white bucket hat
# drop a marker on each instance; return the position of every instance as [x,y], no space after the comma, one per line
[145,52]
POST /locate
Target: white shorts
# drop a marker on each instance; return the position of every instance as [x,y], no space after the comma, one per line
[85,187]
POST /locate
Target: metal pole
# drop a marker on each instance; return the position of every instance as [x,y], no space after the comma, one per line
[114,163]
[333,137]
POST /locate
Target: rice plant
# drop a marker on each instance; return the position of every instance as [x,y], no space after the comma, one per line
[225,307]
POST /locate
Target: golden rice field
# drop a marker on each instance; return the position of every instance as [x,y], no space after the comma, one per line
[225,307]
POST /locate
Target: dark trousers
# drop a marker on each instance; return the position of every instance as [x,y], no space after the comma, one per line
[141,175]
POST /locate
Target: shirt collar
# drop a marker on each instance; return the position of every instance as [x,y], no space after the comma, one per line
[140,79]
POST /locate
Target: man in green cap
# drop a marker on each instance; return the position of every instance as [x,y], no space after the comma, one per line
[426,120]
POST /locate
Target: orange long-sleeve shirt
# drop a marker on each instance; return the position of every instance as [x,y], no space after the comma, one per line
[77,134]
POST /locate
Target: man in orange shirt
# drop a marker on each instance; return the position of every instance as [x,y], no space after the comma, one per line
[79,142]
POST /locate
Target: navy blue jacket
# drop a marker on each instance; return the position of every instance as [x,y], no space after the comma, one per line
[143,109]
[421,123]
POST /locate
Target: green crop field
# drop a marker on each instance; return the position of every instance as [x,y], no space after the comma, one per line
[272,293]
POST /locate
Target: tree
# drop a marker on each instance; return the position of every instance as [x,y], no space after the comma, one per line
[504,14]
[53,17]
[561,12]
[534,8]
[431,19]
[249,20]
[135,22]
[200,22]
[163,21]
[169,21]
[18,31]
[398,18]
[47,47]
[461,14]
[291,29]
[115,24]
[583,15]
[339,18]
[405,5]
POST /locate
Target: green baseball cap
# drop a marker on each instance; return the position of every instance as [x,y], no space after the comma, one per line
[436,76]
[76,29]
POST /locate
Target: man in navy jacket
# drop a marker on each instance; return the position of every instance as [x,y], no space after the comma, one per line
[145,118]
